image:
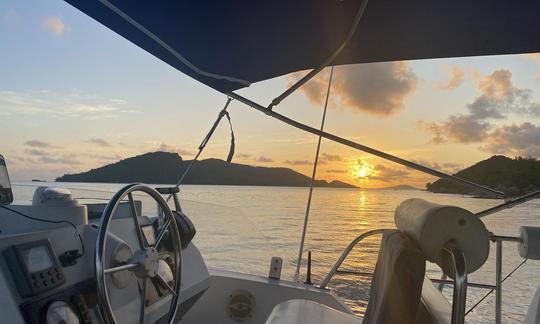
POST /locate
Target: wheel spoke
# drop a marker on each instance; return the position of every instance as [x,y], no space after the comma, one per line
[166,285]
[143,301]
[138,230]
[162,232]
[121,268]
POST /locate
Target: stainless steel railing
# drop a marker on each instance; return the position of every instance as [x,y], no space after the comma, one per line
[459,297]
[460,283]
[346,252]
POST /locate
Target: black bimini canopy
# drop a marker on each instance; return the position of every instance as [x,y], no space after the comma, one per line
[228,45]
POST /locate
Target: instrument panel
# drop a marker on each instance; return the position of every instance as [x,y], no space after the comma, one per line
[34,267]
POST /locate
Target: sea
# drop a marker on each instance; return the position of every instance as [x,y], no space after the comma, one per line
[240,228]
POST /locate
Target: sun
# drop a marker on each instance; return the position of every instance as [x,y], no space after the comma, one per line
[361,169]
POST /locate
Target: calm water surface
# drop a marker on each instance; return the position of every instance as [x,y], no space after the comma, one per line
[241,228]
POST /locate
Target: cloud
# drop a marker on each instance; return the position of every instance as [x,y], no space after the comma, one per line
[323,159]
[498,98]
[456,79]
[118,101]
[452,165]
[264,159]
[458,129]
[17,157]
[375,88]
[40,144]
[337,171]
[101,157]
[99,142]
[169,148]
[386,174]
[433,165]
[70,105]
[40,156]
[60,160]
[297,162]
[330,157]
[54,24]
[36,152]
[533,56]
[519,140]
[448,167]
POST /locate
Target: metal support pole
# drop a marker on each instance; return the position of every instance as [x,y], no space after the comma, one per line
[460,283]
[498,283]
[346,252]
[442,281]
[434,280]
[360,147]
[494,238]
[509,203]
[469,284]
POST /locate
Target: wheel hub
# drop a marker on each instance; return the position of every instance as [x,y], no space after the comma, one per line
[148,259]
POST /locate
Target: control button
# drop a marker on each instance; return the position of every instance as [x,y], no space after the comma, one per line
[56,269]
[37,284]
[45,283]
[59,276]
[53,281]
[42,275]
[49,273]
[34,276]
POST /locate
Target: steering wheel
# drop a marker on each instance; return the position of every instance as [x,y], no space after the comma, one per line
[144,262]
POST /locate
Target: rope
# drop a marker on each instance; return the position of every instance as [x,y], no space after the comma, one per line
[206,139]
[232,146]
[308,206]
[489,292]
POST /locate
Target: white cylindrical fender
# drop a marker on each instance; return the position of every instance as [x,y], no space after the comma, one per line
[529,247]
[432,226]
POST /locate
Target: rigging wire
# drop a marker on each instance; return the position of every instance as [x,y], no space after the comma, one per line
[312,184]
[491,291]
[51,222]
[327,61]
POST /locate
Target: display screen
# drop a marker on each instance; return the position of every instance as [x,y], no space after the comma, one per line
[4,179]
[149,234]
[37,258]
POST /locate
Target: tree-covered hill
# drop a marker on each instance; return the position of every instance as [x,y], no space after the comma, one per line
[166,168]
[512,176]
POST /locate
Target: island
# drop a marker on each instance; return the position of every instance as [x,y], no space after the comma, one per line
[514,177]
[399,187]
[166,168]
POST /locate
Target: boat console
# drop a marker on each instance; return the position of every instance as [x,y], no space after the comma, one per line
[37,285]
[48,270]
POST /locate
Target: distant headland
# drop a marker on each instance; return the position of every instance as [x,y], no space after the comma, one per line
[166,168]
[512,176]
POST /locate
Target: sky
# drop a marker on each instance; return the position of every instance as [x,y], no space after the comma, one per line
[75,96]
